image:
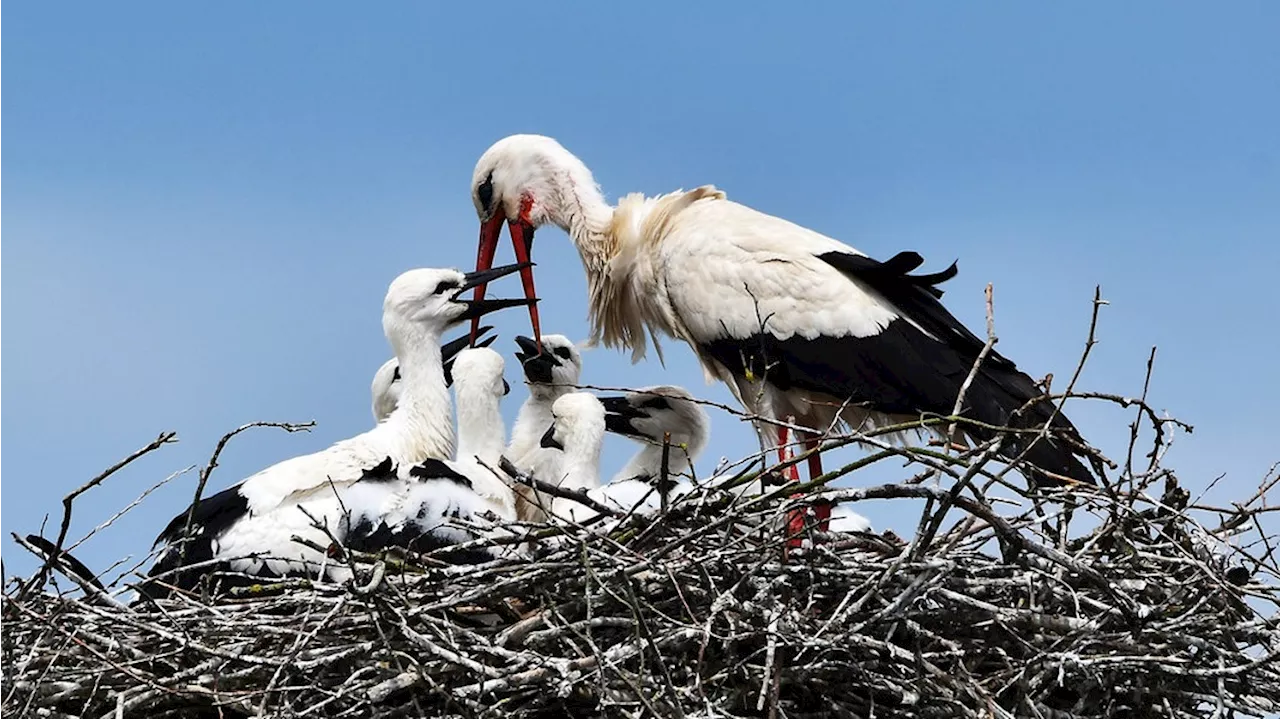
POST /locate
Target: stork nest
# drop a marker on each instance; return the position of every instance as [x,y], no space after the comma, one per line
[1129,599]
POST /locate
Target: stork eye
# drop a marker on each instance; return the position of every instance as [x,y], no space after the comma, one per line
[445,286]
[484,191]
[561,352]
[656,403]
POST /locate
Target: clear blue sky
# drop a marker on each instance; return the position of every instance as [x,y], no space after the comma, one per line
[203,206]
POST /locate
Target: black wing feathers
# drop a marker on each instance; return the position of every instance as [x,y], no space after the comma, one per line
[916,296]
[213,515]
[437,469]
[903,370]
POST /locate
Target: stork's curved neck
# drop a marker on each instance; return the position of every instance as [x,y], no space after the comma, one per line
[531,421]
[421,427]
[584,214]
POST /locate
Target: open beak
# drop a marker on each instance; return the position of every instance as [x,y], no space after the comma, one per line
[538,369]
[549,439]
[522,239]
[478,308]
[529,348]
[538,366]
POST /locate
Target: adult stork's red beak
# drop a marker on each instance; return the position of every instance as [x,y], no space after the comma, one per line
[522,239]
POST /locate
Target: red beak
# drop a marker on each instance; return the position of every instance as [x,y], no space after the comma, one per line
[522,239]
[489,231]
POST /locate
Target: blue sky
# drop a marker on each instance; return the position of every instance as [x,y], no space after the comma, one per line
[203,206]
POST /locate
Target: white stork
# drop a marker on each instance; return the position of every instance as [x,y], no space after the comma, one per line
[550,375]
[418,512]
[577,430]
[386,381]
[248,527]
[650,416]
[797,324]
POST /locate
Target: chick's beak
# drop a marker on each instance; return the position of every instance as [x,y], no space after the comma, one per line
[549,440]
[619,414]
[478,308]
[530,348]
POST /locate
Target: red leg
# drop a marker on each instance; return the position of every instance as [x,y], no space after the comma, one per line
[821,510]
[783,440]
[795,519]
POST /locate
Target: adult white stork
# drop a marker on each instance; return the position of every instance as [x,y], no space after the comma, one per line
[249,527]
[418,511]
[797,324]
[386,381]
[550,375]
[577,430]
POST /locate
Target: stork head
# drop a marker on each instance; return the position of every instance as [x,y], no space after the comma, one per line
[650,413]
[577,425]
[553,371]
[522,180]
[423,303]
[477,374]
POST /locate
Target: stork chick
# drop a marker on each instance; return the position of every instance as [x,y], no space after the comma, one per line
[647,416]
[577,432]
[550,375]
[248,528]
[435,502]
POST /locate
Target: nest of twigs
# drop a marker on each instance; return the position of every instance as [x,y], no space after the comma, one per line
[704,611]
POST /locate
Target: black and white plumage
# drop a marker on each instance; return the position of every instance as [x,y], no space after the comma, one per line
[797,324]
[549,375]
[248,528]
[441,503]
[386,381]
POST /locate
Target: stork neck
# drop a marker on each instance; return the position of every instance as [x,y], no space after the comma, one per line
[581,468]
[586,216]
[421,427]
[480,430]
[532,420]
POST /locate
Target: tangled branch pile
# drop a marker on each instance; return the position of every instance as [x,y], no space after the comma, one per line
[1126,600]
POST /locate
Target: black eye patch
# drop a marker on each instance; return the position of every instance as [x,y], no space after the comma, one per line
[656,403]
[562,352]
[484,191]
[445,286]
